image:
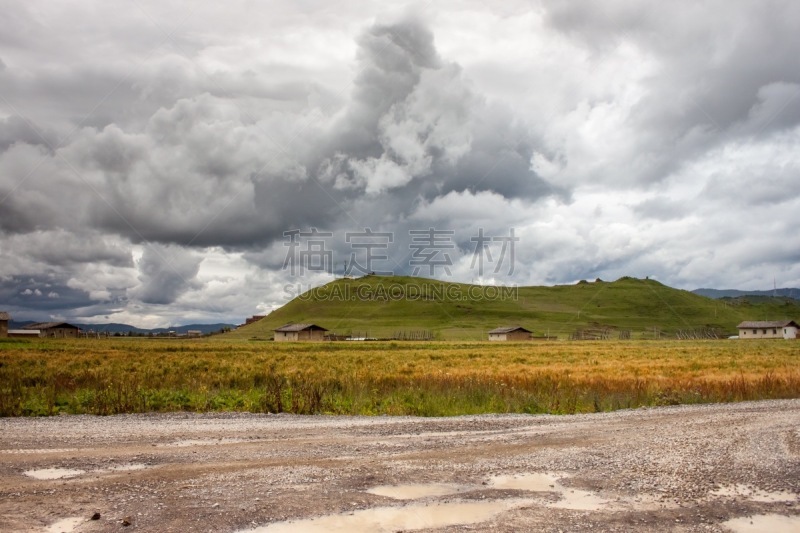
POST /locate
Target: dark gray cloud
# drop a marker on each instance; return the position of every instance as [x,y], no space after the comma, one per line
[201,172]
[44,294]
[166,272]
[416,129]
[51,296]
[15,129]
[61,248]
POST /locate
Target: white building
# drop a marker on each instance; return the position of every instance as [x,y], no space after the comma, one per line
[510,333]
[768,329]
[24,333]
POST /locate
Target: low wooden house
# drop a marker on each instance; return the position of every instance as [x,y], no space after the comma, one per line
[510,333]
[768,329]
[55,329]
[300,332]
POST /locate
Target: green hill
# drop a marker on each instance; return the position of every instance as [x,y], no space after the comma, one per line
[384,306]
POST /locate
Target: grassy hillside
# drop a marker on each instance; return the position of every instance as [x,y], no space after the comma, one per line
[380,306]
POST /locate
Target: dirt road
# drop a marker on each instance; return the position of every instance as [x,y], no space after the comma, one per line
[702,468]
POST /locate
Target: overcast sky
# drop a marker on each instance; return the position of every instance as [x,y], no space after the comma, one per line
[153,154]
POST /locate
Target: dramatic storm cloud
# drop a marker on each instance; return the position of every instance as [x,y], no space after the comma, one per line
[169,162]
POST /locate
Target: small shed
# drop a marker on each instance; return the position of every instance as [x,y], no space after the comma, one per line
[300,332]
[4,319]
[510,333]
[55,329]
[768,329]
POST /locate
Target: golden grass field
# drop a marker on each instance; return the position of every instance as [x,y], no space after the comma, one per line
[118,375]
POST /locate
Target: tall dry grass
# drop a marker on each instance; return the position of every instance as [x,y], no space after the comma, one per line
[397,378]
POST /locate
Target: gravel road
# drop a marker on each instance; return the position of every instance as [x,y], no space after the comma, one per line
[733,467]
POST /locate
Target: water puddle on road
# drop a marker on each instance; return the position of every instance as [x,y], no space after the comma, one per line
[65,473]
[774,523]
[199,442]
[532,482]
[53,473]
[126,468]
[578,500]
[409,517]
[413,492]
[65,525]
[443,514]
[38,450]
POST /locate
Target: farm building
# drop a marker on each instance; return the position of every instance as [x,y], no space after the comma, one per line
[300,332]
[510,333]
[768,329]
[4,318]
[55,329]
[25,333]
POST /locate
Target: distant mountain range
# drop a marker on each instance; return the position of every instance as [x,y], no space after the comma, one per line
[733,293]
[127,328]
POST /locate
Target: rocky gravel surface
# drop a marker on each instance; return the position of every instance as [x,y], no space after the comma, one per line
[733,467]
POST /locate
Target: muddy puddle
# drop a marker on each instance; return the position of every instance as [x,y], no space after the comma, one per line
[199,442]
[578,500]
[435,514]
[66,473]
[124,468]
[531,482]
[415,492]
[19,451]
[546,490]
[53,473]
[773,523]
[65,525]
[406,518]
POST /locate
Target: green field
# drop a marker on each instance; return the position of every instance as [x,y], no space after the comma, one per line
[124,375]
[383,306]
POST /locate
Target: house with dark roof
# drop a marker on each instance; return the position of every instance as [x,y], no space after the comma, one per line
[300,332]
[768,329]
[55,329]
[510,333]
[4,319]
